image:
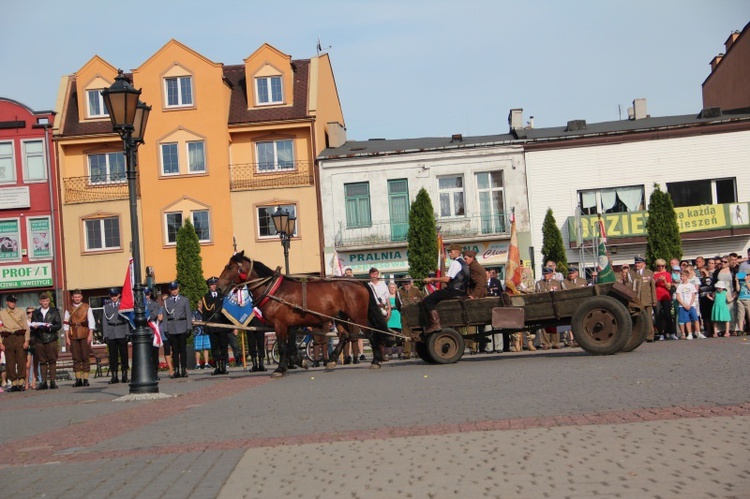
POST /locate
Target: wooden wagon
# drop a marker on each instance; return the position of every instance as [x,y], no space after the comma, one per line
[605,319]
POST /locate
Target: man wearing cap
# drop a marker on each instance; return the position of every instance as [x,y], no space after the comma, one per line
[79,325]
[179,319]
[647,294]
[477,288]
[550,336]
[16,335]
[457,279]
[407,295]
[212,304]
[45,323]
[115,330]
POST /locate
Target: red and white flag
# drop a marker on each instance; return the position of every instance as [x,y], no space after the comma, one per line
[157,335]
[513,269]
[602,234]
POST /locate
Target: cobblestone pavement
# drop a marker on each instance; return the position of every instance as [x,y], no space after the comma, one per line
[670,419]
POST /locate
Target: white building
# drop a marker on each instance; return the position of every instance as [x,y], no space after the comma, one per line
[367,187]
[702,161]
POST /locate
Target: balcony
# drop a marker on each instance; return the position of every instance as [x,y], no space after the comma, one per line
[381,233]
[247,176]
[83,190]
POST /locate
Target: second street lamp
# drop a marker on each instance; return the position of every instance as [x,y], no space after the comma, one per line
[129,117]
[285,225]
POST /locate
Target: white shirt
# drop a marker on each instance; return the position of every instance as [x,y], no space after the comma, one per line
[454,269]
[686,291]
[381,291]
[89,317]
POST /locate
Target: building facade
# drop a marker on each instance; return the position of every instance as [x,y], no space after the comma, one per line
[726,87]
[367,187]
[30,250]
[583,171]
[224,146]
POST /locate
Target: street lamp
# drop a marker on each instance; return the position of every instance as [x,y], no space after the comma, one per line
[129,117]
[284,223]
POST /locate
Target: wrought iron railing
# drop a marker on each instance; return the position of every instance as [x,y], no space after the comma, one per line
[385,232]
[244,176]
[89,190]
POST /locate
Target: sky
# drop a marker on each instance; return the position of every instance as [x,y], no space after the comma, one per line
[403,68]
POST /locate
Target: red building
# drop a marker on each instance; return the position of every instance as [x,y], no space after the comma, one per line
[30,232]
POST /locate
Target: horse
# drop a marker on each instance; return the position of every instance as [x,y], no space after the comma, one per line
[287,302]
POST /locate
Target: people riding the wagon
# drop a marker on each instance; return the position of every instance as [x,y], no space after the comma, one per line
[550,335]
[477,288]
[457,280]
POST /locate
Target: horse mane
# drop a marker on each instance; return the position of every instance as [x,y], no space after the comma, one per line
[259,267]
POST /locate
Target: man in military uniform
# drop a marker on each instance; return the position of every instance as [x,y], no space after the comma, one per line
[457,280]
[115,330]
[16,335]
[45,323]
[477,288]
[550,336]
[212,304]
[408,295]
[647,294]
[179,320]
[79,325]
[572,281]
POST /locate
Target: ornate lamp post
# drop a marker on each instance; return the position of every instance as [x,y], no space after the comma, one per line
[129,116]
[284,223]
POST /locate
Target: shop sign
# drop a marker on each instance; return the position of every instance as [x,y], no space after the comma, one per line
[14,198]
[34,275]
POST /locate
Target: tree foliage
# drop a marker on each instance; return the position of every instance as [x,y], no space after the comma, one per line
[663,232]
[190,264]
[422,237]
[552,243]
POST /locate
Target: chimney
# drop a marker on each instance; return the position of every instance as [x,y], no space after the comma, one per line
[515,119]
[576,125]
[639,109]
[715,61]
[531,122]
[731,40]
[335,134]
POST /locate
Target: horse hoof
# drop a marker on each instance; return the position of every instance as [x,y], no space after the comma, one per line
[374,366]
[330,365]
[277,374]
[304,364]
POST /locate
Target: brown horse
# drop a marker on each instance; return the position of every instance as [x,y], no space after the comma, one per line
[288,303]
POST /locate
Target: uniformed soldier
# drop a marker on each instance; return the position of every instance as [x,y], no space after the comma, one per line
[16,335]
[212,305]
[573,280]
[179,319]
[115,330]
[408,295]
[647,294]
[547,284]
[79,325]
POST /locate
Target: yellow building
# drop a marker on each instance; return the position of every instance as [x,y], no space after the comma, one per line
[224,146]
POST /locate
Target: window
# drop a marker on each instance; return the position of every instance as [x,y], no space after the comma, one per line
[698,192]
[269,90]
[102,234]
[612,200]
[170,163]
[451,193]
[491,202]
[357,202]
[106,168]
[34,164]
[398,208]
[201,224]
[7,162]
[265,223]
[196,157]
[276,155]
[179,91]
[97,107]
[174,222]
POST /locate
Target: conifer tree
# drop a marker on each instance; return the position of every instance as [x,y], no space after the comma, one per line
[190,264]
[422,237]
[663,232]
[552,243]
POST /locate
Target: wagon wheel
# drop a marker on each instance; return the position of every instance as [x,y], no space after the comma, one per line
[601,325]
[421,348]
[446,346]
[640,329]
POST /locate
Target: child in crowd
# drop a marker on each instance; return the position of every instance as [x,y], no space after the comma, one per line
[720,313]
[687,312]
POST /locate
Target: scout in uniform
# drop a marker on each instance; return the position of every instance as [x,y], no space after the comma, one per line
[16,336]
[79,325]
[45,323]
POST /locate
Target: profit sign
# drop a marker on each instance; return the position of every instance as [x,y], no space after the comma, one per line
[26,276]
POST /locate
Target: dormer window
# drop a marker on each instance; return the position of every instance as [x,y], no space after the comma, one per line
[179,91]
[268,90]
[97,108]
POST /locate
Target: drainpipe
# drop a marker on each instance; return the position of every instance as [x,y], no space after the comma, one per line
[53,231]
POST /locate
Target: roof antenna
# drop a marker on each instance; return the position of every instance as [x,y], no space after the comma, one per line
[320,47]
